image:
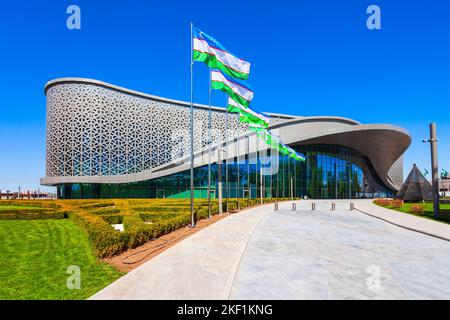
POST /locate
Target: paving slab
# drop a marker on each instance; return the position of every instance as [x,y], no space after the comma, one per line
[201,266]
[427,226]
[340,254]
[260,253]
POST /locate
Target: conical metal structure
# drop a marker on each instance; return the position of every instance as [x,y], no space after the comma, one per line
[415,188]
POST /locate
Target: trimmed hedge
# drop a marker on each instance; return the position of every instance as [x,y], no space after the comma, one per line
[154,217]
[31,203]
[105,240]
[97,205]
[143,220]
[106,211]
[113,218]
[21,215]
[25,210]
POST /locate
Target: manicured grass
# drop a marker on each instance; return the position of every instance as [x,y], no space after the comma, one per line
[427,210]
[35,255]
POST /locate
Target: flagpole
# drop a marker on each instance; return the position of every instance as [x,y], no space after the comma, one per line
[226,157]
[193,217]
[209,146]
[238,152]
[248,167]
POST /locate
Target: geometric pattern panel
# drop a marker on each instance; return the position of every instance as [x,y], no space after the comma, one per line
[96,131]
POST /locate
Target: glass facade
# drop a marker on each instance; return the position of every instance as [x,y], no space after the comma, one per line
[329,172]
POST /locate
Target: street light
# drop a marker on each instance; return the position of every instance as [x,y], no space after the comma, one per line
[220,153]
[434,168]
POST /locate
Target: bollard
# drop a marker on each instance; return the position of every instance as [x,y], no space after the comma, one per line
[276,207]
[333,206]
[313,206]
[352,206]
[294,207]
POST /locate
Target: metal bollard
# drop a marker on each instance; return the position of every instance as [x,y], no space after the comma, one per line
[333,206]
[352,206]
[294,206]
[276,207]
[313,206]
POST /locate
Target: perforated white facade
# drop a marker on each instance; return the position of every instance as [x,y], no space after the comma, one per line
[101,133]
[93,130]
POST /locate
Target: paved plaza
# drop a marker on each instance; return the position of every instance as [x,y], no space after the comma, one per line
[264,254]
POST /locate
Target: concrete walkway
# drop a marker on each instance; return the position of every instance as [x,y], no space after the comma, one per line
[262,254]
[426,226]
[200,267]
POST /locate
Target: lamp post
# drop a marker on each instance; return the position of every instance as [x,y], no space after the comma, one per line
[434,168]
[219,177]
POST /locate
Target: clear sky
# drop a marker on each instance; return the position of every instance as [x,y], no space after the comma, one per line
[308,58]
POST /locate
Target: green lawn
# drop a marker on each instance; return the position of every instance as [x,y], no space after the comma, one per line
[427,213]
[35,255]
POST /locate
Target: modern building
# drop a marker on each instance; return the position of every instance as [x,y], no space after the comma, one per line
[105,141]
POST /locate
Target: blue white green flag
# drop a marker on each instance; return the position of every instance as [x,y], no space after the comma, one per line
[248,115]
[236,90]
[211,52]
[293,154]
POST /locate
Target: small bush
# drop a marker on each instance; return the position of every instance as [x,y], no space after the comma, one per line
[417,208]
[104,239]
[396,203]
[113,218]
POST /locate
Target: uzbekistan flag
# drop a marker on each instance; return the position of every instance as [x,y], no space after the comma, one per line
[248,115]
[292,153]
[211,52]
[236,90]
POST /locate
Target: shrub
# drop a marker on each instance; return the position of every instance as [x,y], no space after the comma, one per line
[138,232]
[202,213]
[24,210]
[22,215]
[155,217]
[382,202]
[396,203]
[113,218]
[105,240]
[106,211]
[97,205]
[417,208]
[30,203]
[163,208]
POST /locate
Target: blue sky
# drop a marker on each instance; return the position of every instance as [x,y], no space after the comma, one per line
[308,58]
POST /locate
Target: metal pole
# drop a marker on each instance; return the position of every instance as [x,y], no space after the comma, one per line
[238,180]
[248,168]
[335,181]
[260,174]
[434,168]
[193,213]
[292,189]
[226,158]
[219,174]
[209,146]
